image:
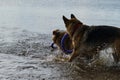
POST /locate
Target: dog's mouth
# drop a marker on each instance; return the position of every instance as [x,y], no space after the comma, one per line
[54,42]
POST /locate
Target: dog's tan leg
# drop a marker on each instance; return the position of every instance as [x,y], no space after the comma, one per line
[74,54]
[116,55]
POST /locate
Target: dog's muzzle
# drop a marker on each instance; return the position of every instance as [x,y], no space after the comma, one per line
[52,45]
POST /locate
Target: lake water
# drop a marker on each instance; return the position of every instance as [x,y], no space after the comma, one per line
[43,16]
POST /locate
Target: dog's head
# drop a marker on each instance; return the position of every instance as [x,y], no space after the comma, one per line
[57,35]
[72,24]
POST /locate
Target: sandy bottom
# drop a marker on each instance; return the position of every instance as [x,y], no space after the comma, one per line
[27,56]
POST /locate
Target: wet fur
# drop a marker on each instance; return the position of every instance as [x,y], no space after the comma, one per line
[57,36]
[90,40]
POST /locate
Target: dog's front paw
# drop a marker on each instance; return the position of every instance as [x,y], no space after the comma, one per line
[70,60]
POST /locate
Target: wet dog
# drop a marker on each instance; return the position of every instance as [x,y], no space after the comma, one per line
[91,40]
[63,44]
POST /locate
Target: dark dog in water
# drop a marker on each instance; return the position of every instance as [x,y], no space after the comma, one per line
[62,40]
[91,40]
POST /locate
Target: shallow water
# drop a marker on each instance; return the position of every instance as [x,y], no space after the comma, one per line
[25,55]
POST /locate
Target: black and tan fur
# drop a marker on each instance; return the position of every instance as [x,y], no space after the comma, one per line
[57,36]
[90,40]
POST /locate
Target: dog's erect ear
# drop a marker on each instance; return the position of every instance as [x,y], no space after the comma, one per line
[72,16]
[65,19]
[56,32]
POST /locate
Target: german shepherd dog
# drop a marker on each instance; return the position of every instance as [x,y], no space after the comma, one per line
[57,36]
[91,40]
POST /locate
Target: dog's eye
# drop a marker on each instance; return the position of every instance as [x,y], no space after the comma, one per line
[57,33]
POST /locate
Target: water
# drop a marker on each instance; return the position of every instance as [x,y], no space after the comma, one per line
[43,16]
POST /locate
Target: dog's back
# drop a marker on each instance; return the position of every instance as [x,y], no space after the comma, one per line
[96,35]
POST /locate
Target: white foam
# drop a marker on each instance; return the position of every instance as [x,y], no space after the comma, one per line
[106,56]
